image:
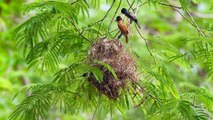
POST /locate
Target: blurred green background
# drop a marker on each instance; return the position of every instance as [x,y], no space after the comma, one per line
[13,70]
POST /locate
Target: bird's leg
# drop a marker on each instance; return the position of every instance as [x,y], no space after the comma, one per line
[119,36]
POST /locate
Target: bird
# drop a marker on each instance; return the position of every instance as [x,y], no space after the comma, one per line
[122,28]
[130,15]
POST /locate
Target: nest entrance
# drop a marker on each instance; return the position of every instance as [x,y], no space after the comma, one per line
[113,53]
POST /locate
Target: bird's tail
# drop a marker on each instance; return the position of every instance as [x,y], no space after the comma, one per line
[126,38]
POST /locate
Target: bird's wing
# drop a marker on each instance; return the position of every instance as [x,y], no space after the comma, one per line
[123,29]
[133,16]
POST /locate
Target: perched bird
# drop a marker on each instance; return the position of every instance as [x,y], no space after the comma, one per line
[130,15]
[122,28]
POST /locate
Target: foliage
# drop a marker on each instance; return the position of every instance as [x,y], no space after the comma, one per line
[60,33]
[13,74]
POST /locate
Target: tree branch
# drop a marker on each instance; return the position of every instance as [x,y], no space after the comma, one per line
[145,40]
[130,5]
[197,27]
[106,15]
[79,31]
[153,97]
[74,2]
[193,23]
[114,16]
[102,19]
[173,6]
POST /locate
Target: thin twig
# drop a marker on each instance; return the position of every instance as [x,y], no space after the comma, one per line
[99,103]
[141,5]
[114,16]
[137,7]
[103,18]
[153,97]
[198,28]
[74,2]
[79,31]
[173,6]
[77,93]
[116,34]
[193,23]
[114,30]
[108,10]
[130,6]
[184,17]
[145,40]
[101,21]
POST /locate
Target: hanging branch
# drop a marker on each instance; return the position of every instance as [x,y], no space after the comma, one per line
[114,16]
[147,46]
[137,7]
[145,40]
[102,19]
[130,5]
[80,33]
[99,22]
[98,107]
[153,97]
[74,2]
[193,23]
[173,6]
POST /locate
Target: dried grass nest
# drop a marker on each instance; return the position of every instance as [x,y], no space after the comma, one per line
[113,53]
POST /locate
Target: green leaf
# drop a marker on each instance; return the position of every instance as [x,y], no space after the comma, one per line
[98,74]
[195,1]
[184,4]
[108,68]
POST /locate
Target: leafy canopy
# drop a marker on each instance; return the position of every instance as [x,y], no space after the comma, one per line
[60,34]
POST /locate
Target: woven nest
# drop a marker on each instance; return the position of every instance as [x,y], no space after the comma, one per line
[113,53]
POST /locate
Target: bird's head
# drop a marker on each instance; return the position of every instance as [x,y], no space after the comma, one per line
[118,18]
[124,11]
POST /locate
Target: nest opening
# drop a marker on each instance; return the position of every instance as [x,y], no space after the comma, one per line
[113,53]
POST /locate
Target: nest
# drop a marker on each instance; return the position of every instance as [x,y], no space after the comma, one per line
[113,53]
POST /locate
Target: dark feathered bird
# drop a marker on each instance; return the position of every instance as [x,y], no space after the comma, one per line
[130,15]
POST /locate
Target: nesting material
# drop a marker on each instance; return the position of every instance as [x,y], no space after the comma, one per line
[113,53]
